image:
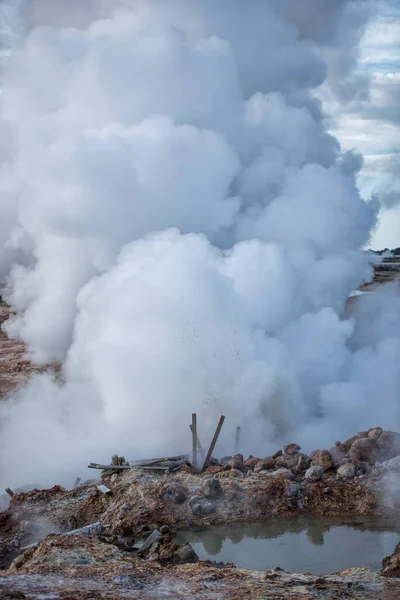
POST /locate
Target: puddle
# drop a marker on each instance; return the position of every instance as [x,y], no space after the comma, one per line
[310,544]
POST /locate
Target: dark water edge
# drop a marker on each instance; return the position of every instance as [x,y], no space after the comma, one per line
[318,545]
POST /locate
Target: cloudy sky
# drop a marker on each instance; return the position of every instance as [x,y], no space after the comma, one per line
[371,125]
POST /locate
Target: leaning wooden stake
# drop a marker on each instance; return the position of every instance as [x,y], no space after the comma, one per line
[199,446]
[213,442]
[10,492]
[237,439]
[194,439]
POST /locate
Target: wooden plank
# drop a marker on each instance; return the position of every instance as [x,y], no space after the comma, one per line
[213,442]
[154,461]
[194,439]
[109,467]
[237,440]
[10,492]
[150,540]
[104,489]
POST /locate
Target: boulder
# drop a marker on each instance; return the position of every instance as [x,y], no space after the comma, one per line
[278,453]
[347,444]
[291,449]
[236,463]
[236,473]
[364,450]
[362,434]
[314,473]
[388,444]
[211,488]
[286,461]
[251,462]
[375,433]
[338,455]
[281,473]
[265,464]
[346,471]
[200,507]
[391,564]
[322,458]
[303,463]
[239,457]
[214,470]
[224,460]
[175,492]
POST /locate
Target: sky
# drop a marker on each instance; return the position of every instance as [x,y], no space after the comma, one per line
[372,126]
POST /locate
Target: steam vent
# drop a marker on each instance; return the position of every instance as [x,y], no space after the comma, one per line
[199,300]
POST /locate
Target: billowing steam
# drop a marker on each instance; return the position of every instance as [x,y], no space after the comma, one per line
[180,230]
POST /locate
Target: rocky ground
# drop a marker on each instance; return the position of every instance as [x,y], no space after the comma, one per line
[360,476]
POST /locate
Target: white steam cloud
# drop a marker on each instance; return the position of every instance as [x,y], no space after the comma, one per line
[180,230]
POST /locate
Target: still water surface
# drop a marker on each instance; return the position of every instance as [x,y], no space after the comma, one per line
[317,545]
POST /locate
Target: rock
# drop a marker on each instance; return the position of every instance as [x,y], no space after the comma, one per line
[286,461]
[393,464]
[175,492]
[338,455]
[278,453]
[347,444]
[362,434]
[184,554]
[265,464]
[294,489]
[364,450]
[224,460]
[388,444]
[214,462]
[282,473]
[200,507]
[239,457]
[129,581]
[314,473]
[347,471]
[236,463]
[303,463]
[251,462]
[391,564]
[291,449]
[322,458]
[375,433]
[236,473]
[214,470]
[211,488]
[164,529]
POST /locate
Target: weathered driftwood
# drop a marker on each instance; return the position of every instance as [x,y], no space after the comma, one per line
[148,462]
[213,442]
[194,439]
[115,468]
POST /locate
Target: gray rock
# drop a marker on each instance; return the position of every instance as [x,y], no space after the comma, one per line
[364,450]
[285,473]
[211,488]
[129,581]
[202,508]
[322,458]
[287,461]
[346,471]
[265,464]
[291,449]
[175,492]
[314,473]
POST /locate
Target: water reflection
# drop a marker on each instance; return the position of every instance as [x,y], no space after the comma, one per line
[318,545]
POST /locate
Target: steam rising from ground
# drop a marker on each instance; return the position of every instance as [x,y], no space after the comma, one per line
[181,231]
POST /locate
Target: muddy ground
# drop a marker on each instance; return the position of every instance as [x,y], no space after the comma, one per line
[356,477]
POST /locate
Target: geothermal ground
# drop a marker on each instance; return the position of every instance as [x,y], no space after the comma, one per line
[356,478]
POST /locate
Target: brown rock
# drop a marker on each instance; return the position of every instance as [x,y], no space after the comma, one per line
[362,434]
[252,462]
[303,464]
[364,450]
[322,458]
[291,449]
[239,457]
[277,453]
[391,564]
[236,463]
[388,444]
[375,433]
[214,470]
[236,473]
[339,457]
[286,461]
[347,444]
[265,464]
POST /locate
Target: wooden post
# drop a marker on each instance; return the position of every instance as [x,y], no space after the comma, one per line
[237,439]
[10,492]
[77,482]
[194,439]
[115,459]
[213,442]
